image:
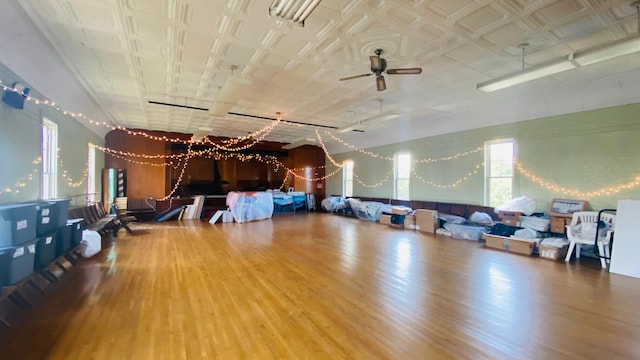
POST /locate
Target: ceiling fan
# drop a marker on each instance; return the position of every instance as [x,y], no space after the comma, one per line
[379,66]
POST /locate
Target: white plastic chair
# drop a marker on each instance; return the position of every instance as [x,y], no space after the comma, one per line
[583,217]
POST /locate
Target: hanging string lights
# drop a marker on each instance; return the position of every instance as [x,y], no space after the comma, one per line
[416,161]
[378,184]
[326,152]
[23,181]
[179,181]
[452,185]
[230,148]
[261,133]
[602,192]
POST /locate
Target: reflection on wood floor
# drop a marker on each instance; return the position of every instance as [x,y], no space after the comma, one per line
[324,287]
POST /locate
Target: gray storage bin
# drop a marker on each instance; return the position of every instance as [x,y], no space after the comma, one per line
[17,223]
[45,250]
[52,214]
[46,222]
[63,239]
[77,225]
[17,262]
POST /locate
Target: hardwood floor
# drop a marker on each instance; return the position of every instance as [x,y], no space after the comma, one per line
[320,286]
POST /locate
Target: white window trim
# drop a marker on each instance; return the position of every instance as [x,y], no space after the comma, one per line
[344,178]
[49,187]
[487,167]
[396,178]
[91,174]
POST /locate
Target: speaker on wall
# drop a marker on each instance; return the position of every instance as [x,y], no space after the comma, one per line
[16,95]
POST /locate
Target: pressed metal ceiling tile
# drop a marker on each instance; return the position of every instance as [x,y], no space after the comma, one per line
[151,7]
[131,51]
[95,16]
[509,34]
[582,25]
[149,28]
[557,10]
[481,18]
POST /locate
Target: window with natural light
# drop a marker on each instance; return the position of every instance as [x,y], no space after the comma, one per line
[49,159]
[347,178]
[91,174]
[499,172]
[402,175]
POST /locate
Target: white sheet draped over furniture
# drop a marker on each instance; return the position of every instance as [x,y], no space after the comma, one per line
[248,206]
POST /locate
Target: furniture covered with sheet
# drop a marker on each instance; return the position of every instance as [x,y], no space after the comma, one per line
[248,206]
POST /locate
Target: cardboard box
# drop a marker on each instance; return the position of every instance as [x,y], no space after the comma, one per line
[410,222]
[514,245]
[558,224]
[385,219]
[399,210]
[427,220]
[552,252]
[510,218]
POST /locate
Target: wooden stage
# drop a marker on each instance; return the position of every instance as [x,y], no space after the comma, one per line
[321,286]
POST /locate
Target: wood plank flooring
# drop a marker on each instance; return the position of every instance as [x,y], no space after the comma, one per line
[321,286]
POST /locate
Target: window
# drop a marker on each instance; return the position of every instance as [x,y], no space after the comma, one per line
[499,172]
[49,158]
[402,176]
[91,174]
[347,178]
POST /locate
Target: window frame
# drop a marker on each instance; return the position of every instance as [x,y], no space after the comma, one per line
[397,178]
[91,174]
[347,181]
[49,156]
[487,169]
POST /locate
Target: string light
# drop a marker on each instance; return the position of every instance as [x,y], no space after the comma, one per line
[378,184]
[262,132]
[229,145]
[184,167]
[23,181]
[452,185]
[605,191]
[326,152]
[416,161]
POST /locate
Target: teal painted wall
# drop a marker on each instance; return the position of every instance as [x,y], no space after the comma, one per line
[20,146]
[583,151]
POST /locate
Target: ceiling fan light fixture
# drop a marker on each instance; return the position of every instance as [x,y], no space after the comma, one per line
[295,11]
[380,83]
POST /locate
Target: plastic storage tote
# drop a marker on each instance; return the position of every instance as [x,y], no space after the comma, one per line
[17,223]
[19,262]
[52,214]
[76,231]
[63,240]
[45,250]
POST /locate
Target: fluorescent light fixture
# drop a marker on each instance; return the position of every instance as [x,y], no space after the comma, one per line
[372,120]
[525,75]
[293,145]
[619,48]
[295,11]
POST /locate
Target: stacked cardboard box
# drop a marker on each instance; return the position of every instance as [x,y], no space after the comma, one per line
[510,244]
[410,222]
[511,218]
[427,221]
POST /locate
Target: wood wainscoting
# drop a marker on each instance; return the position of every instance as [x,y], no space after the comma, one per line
[327,287]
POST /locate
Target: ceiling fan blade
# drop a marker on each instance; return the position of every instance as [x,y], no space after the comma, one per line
[405,71]
[355,77]
[380,83]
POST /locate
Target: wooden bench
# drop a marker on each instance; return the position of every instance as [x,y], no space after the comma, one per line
[96,218]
